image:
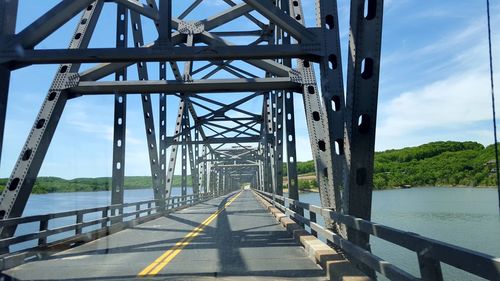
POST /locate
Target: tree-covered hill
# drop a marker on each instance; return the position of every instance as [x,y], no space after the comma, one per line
[436,164]
[433,164]
[53,184]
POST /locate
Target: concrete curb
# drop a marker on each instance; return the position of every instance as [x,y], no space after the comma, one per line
[336,267]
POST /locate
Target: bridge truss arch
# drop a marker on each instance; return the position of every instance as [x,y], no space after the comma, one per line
[252,52]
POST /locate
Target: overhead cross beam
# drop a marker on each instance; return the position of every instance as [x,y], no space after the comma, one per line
[16,59]
[174,86]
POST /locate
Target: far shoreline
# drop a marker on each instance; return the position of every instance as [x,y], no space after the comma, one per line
[316,190]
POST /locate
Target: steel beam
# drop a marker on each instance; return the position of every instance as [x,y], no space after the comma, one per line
[184,152]
[190,87]
[120,119]
[193,153]
[174,149]
[267,132]
[361,115]
[290,138]
[318,127]
[139,8]
[165,28]
[278,142]
[277,16]
[248,15]
[147,109]
[265,64]
[204,169]
[224,140]
[56,17]
[190,9]
[271,144]
[198,165]
[332,90]
[291,151]
[227,16]
[163,136]
[8,17]
[156,52]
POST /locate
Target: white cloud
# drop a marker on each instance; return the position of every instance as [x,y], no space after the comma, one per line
[447,96]
[83,118]
[303,148]
[452,102]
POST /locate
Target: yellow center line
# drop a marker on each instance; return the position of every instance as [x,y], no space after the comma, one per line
[168,256]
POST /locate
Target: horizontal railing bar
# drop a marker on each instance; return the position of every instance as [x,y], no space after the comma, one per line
[37,235]
[374,262]
[474,262]
[37,218]
[49,232]
[279,206]
[383,266]
[299,217]
[129,214]
[72,227]
[50,216]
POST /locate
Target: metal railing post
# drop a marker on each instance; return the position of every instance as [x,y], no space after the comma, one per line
[430,269]
[104,215]
[79,220]
[312,217]
[44,225]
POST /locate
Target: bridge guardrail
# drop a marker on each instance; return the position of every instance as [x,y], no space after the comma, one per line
[108,215]
[430,252]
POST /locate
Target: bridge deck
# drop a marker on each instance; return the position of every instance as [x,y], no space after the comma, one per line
[241,242]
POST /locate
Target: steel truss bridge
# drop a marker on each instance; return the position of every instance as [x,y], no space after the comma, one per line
[255,51]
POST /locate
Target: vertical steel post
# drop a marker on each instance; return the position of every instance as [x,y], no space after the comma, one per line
[8,17]
[211,179]
[165,38]
[203,170]
[292,177]
[147,109]
[278,142]
[197,167]
[224,181]
[332,88]
[268,180]
[165,29]
[173,151]
[272,147]
[219,182]
[120,120]
[207,172]
[291,159]
[163,135]
[192,161]
[361,112]
[317,125]
[185,120]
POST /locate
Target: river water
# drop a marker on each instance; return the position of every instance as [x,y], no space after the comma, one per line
[468,217]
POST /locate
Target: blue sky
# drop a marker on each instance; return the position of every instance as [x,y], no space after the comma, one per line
[434,86]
